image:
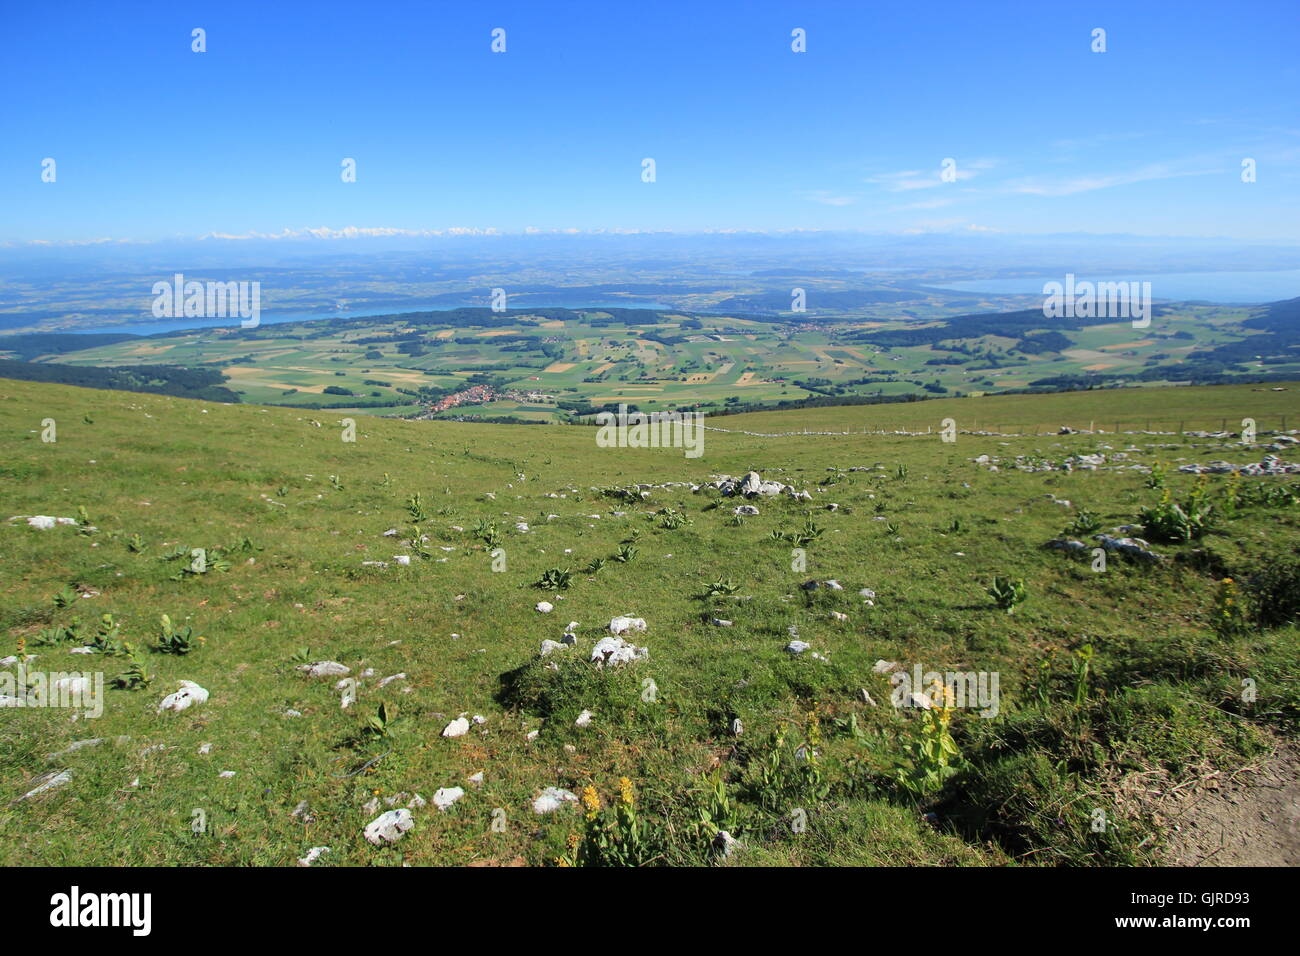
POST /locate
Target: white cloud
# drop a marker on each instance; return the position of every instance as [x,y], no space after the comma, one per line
[911,179]
[1083,184]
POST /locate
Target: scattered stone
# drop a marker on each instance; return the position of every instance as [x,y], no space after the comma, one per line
[552,799]
[325,669]
[725,843]
[830,585]
[622,625]
[47,781]
[313,855]
[545,607]
[389,827]
[457,728]
[797,647]
[189,694]
[1066,544]
[1133,547]
[584,719]
[446,796]
[74,747]
[611,651]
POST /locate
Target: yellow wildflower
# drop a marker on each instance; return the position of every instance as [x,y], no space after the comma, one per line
[591,801]
[625,792]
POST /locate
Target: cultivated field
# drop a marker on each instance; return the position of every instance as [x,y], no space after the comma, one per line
[389,365]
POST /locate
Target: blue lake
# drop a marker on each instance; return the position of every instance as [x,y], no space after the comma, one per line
[1226,287]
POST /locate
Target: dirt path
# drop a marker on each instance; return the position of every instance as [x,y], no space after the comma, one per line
[1252,818]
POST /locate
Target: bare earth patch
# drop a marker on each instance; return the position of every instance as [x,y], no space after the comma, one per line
[1247,818]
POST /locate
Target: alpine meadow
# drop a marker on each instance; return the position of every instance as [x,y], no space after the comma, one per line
[717,437]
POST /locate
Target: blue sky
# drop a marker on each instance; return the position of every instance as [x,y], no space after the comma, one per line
[154,141]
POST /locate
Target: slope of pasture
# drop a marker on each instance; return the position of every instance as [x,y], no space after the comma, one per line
[1203,408]
[289,513]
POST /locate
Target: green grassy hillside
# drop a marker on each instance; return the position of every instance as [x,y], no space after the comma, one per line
[1115,686]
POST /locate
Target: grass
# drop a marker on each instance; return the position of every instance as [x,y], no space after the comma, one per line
[1161,702]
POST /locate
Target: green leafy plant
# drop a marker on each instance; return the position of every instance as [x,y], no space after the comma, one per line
[554,579]
[108,640]
[176,640]
[486,531]
[51,636]
[1084,523]
[802,537]
[931,755]
[380,723]
[135,677]
[1170,521]
[611,836]
[1228,618]
[720,587]
[785,772]
[715,810]
[1007,593]
[595,566]
[672,519]
[626,553]
[1082,671]
[1274,590]
[1156,477]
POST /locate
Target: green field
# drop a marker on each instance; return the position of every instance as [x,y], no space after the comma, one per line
[1120,690]
[545,368]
